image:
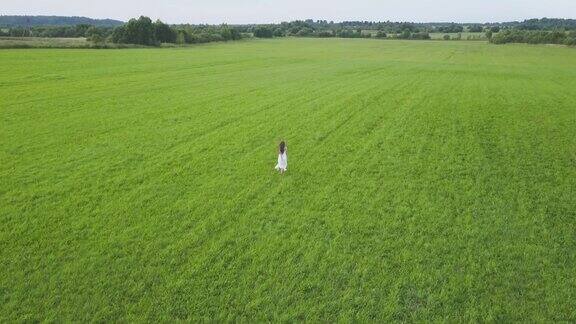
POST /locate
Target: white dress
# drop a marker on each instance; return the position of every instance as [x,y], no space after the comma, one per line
[282,161]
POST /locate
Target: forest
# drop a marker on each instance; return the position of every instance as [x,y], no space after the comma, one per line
[144,31]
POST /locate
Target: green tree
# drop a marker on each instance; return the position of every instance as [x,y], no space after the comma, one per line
[489,34]
[119,35]
[229,33]
[95,35]
[79,30]
[136,31]
[181,37]
[263,32]
[163,33]
[475,28]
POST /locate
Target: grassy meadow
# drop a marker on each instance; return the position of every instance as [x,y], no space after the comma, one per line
[426,181]
[33,42]
[61,43]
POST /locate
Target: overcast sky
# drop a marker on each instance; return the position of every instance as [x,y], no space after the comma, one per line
[265,11]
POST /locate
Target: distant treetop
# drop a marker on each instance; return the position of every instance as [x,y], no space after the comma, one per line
[30,21]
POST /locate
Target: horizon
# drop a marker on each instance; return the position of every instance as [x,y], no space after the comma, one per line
[268,12]
[297,19]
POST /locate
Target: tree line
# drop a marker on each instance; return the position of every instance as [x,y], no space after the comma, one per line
[140,31]
[143,31]
[35,21]
[533,31]
[81,30]
[7,21]
[366,29]
[534,37]
[323,29]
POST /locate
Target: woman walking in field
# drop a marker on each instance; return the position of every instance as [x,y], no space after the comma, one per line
[282,158]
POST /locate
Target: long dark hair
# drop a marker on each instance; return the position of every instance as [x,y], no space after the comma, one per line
[282,147]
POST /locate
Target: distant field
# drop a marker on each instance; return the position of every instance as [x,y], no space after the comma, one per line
[52,42]
[25,42]
[427,181]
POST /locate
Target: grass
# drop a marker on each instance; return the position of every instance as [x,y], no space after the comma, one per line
[55,42]
[426,181]
[33,42]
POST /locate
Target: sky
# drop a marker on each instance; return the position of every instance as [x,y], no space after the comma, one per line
[270,11]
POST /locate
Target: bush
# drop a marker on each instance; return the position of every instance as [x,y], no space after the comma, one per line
[381,34]
[489,34]
[345,33]
[324,33]
[95,35]
[305,32]
[420,36]
[446,37]
[570,39]
[416,36]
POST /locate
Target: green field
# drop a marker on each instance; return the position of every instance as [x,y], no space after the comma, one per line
[31,42]
[54,42]
[426,181]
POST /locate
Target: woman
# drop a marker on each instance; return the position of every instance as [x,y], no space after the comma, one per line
[282,158]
